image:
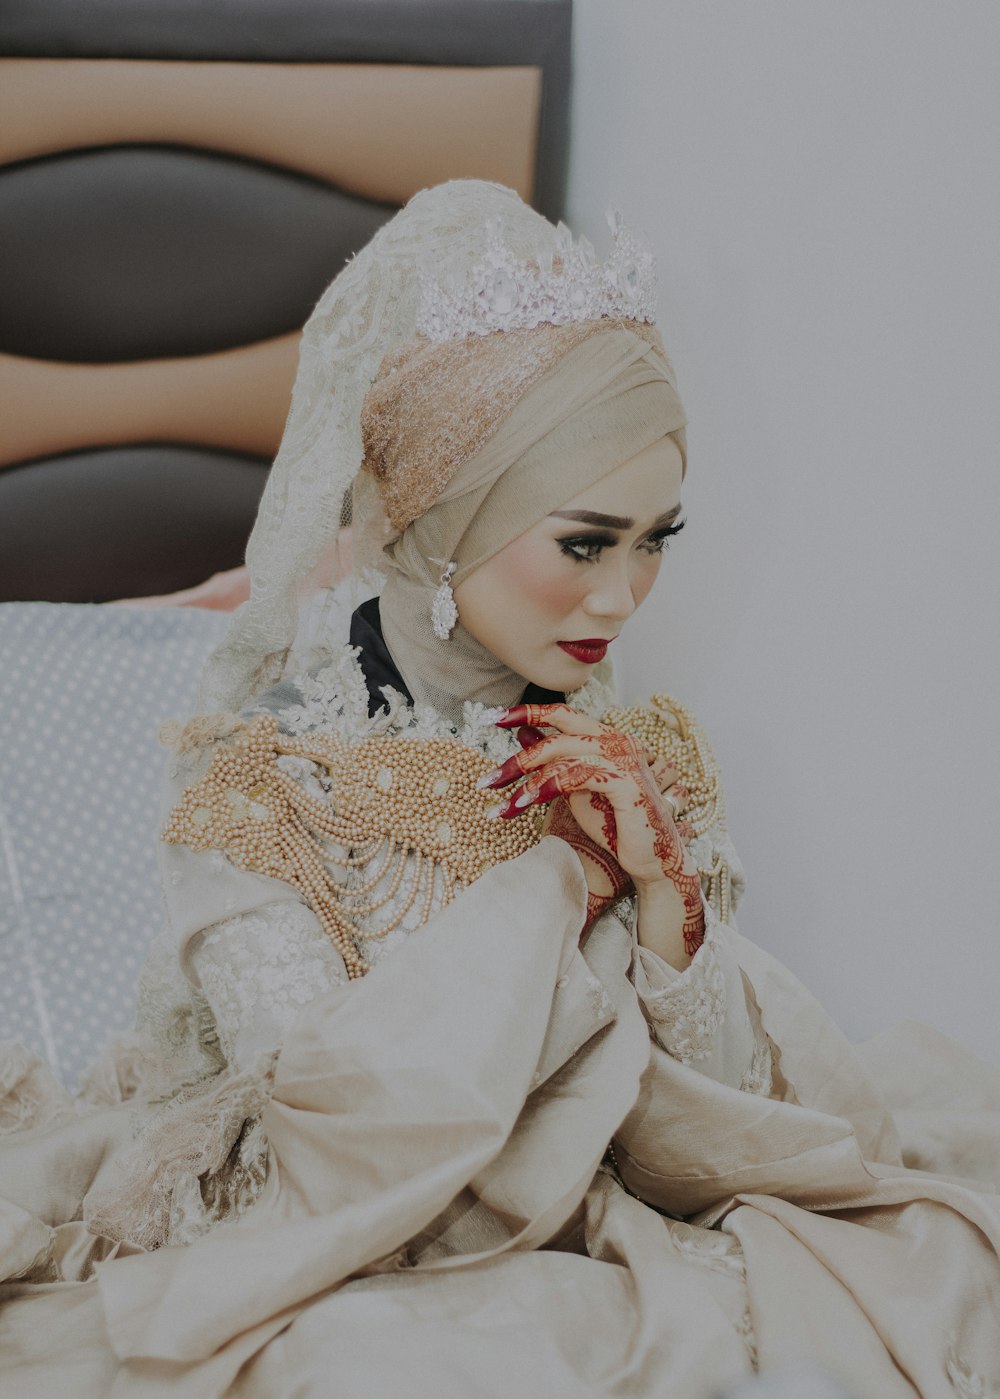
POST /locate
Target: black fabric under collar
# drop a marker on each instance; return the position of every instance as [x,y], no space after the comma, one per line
[379,668]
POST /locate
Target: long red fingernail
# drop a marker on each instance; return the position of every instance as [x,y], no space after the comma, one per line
[511,717]
[509,771]
[528,735]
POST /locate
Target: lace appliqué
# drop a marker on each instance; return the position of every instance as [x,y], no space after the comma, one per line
[259,970]
[686,1015]
[30,1094]
[198,1161]
[177,1023]
[759,1077]
[335,700]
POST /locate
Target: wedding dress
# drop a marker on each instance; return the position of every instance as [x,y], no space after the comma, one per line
[310,1185]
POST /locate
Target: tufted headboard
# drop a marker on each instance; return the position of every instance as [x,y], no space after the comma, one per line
[179,181]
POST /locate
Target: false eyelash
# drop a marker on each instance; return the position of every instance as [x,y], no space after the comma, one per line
[569,545]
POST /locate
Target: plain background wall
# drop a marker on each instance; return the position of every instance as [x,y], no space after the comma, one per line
[820,184]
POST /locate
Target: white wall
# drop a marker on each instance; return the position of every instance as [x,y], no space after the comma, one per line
[820,184]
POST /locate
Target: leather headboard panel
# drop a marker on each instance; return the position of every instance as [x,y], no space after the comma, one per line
[237,399]
[380,131]
[432,33]
[167,252]
[142,519]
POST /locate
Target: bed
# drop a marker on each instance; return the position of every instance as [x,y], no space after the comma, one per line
[178,183]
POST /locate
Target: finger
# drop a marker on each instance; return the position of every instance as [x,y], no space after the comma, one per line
[529,759]
[527,735]
[677,797]
[554,716]
[664,773]
[561,778]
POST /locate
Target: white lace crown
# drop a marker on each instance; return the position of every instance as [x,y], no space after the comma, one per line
[503,292]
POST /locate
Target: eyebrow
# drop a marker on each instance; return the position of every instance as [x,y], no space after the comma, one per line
[593,517]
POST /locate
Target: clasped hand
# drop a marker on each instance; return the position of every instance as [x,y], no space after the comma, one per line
[612,800]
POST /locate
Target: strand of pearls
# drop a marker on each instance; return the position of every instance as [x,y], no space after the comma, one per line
[412,802]
[394,805]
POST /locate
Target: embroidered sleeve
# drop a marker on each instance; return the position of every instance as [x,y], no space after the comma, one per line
[701,1015]
[257,972]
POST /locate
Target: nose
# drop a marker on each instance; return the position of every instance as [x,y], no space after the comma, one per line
[612,596]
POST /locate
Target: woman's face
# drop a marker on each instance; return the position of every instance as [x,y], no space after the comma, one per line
[578,575]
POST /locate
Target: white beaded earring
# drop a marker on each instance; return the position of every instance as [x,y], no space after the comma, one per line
[444,613]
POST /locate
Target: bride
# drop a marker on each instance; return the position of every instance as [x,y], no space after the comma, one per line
[450,1068]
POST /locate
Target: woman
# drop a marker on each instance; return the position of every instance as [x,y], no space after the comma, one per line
[450,1070]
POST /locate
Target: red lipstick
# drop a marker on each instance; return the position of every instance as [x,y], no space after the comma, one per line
[589,651]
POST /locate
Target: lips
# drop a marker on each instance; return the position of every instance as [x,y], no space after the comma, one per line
[591,651]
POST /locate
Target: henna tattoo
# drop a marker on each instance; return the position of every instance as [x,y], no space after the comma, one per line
[623,755]
[596,904]
[609,828]
[623,750]
[561,822]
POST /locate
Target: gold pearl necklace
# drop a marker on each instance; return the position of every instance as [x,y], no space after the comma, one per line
[412,802]
[406,799]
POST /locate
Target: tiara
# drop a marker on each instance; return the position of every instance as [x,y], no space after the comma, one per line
[565,284]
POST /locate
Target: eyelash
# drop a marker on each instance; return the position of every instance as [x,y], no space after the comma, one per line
[597,542]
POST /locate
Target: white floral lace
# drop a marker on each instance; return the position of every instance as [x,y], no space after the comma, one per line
[259,970]
[30,1094]
[759,1077]
[687,1013]
[200,1160]
[335,699]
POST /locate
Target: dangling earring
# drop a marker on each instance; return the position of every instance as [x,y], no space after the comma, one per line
[444,613]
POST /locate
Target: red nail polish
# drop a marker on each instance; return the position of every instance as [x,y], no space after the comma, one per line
[548,790]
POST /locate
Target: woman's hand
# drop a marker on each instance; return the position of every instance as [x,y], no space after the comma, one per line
[622,801]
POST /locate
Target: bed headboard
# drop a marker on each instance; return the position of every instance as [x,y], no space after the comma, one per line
[179,181]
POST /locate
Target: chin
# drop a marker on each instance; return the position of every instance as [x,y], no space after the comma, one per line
[564,675]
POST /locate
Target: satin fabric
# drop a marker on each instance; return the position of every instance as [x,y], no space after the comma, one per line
[437,1215]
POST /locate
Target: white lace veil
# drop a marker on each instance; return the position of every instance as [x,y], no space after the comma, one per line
[368,310]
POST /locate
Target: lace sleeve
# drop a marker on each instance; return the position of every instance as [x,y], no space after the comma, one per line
[701,1016]
[258,970]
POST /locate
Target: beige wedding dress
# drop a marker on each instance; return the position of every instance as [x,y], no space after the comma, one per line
[292,1184]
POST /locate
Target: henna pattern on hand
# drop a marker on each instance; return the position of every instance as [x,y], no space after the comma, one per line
[624,755]
[623,750]
[561,822]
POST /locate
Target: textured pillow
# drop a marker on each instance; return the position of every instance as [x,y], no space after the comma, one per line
[83,692]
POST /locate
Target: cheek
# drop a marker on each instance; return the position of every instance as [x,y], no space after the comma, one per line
[646,577]
[540,578]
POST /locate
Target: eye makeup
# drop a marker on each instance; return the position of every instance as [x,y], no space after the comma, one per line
[576,546]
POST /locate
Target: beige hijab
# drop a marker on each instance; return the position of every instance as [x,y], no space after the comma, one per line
[469,444]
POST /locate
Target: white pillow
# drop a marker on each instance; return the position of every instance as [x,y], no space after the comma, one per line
[83,692]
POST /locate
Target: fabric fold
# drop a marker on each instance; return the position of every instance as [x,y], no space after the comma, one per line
[381,1114]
